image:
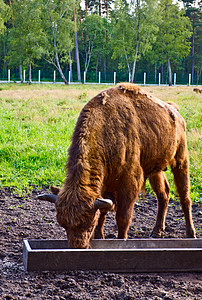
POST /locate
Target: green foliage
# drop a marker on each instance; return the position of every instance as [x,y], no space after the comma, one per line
[112,34]
[174,32]
[58,28]
[134,29]
[93,37]
[4,14]
[26,35]
[194,12]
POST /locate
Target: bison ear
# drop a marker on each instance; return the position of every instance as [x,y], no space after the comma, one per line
[48,197]
[103,204]
[55,190]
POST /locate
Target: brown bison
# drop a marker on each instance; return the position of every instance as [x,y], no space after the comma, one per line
[122,137]
[197,90]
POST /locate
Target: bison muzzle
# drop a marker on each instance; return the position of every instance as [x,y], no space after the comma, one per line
[122,137]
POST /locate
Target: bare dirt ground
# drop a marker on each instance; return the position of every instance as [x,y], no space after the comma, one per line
[25,217]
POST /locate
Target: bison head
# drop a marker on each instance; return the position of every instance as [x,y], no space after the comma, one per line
[80,221]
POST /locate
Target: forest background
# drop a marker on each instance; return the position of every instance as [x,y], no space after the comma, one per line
[73,37]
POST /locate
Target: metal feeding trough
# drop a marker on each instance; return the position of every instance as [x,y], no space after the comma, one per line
[137,255]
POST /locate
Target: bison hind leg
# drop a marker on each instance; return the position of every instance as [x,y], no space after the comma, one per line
[160,186]
[181,177]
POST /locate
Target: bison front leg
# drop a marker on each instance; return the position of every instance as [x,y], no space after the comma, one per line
[160,186]
[128,190]
[181,176]
[99,230]
[123,218]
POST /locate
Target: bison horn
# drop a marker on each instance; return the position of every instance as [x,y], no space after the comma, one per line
[48,197]
[103,204]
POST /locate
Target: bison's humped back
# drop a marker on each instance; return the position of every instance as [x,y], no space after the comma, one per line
[119,126]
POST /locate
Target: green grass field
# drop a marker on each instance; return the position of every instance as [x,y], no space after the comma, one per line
[37,121]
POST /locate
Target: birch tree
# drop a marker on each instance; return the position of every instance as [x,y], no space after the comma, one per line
[134,30]
[58,26]
[93,30]
[76,43]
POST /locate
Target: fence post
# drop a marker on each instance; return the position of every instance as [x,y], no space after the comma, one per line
[145,74]
[9,75]
[189,79]
[159,78]
[69,77]
[54,76]
[114,78]
[99,77]
[24,75]
[174,78]
[84,77]
[39,76]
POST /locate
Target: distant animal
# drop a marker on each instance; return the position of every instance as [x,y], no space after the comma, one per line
[122,136]
[197,90]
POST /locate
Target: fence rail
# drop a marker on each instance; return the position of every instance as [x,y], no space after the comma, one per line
[144,78]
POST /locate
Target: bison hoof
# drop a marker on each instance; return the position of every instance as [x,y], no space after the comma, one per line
[155,235]
[190,233]
[98,235]
[191,236]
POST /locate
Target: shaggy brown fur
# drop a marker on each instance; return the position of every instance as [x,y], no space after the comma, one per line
[174,105]
[122,137]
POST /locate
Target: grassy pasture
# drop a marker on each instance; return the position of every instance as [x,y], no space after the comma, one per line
[37,121]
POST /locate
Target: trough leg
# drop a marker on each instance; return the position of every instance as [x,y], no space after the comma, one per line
[160,185]
[181,177]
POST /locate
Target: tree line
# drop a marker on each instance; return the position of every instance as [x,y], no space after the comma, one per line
[101,36]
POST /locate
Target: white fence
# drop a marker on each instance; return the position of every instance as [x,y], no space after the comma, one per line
[99,81]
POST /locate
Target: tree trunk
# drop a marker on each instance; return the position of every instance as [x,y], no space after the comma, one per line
[86,6]
[97,65]
[134,63]
[126,56]
[57,65]
[10,4]
[63,76]
[20,70]
[30,74]
[77,47]
[77,58]
[137,41]
[70,64]
[198,76]
[169,72]
[105,71]
[61,73]
[5,60]
[20,66]
[107,17]
[155,73]
[192,50]
[100,9]
[161,73]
